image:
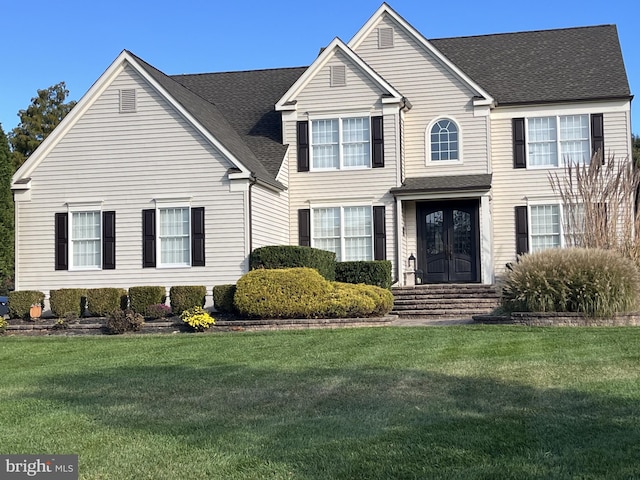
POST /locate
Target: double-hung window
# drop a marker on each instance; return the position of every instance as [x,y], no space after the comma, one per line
[558,140]
[174,236]
[346,231]
[338,143]
[86,240]
[551,226]
[546,227]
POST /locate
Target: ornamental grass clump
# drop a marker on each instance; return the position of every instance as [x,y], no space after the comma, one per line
[197,318]
[594,282]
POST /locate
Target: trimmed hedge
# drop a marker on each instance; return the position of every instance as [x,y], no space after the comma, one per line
[20,302]
[103,301]
[374,272]
[291,256]
[68,300]
[185,297]
[594,282]
[223,298]
[304,293]
[140,298]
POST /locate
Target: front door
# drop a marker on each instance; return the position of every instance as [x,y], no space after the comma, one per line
[448,241]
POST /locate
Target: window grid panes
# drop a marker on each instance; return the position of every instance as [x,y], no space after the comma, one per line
[545,227]
[552,138]
[348,232]
[574,139]
[86,239]
[444,141]
[357,234]
[341,143]
[174,238]
[355,142]
[326,230]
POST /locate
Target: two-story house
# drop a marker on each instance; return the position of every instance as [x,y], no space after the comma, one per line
[390,146]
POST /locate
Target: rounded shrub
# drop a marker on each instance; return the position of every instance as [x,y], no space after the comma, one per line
[223,298]
[141,297]
[68,300]
[20,302]
[304,293]
[102,301]
[594,282]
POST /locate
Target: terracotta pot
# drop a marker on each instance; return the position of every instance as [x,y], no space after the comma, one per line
[35,311]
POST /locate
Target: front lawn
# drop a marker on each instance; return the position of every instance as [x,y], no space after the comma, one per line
[456,402]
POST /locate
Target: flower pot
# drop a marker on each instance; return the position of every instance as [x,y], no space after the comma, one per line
[35,312]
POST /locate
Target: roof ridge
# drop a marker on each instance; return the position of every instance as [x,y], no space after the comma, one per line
[522,32]
[236,71]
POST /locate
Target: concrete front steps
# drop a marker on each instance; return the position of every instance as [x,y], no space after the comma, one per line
[445,301]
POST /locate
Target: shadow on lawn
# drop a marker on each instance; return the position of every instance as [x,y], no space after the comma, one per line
[367,423]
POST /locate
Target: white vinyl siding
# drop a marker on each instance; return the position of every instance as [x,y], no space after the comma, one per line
[127,161]
[174,236]
[346,231]
[435,92]
[512,187]
[86,240]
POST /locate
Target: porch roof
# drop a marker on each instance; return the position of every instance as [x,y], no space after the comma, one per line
[448,183]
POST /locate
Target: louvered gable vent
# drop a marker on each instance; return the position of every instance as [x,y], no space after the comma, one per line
[338,76]
[385,37]
[128,100]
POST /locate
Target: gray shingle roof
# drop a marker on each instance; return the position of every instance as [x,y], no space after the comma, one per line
[451,183]
[247,100]
[218,122]
[543,66]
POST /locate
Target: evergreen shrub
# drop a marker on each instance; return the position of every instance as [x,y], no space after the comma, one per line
[223,298]
[291,256]
[68,300]
[184,297]
[102,301]
[141,297]
[122,321]
[20,302]
[374,272]
[304,293]
[595,282]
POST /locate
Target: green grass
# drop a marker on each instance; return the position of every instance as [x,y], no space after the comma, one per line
[457,402]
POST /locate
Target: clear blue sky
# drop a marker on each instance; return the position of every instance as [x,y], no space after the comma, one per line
[46,42]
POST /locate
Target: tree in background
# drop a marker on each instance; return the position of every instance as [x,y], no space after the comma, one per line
[6,216]
[39,119]
[636,149]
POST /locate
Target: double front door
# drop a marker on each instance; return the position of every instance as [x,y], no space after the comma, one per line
[448,241]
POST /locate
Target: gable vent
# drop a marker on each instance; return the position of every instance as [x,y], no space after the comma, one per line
[385,37]
[128,100]
[338,76]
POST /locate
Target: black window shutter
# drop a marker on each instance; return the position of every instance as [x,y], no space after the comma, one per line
[379,234]
[304,227]
[522,231]
[519,158]
[108,240]
[197,237]
[149,238]
[62,241]
[377,142]
[597,135]
[303,146]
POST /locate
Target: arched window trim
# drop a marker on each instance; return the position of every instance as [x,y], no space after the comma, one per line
[427,136]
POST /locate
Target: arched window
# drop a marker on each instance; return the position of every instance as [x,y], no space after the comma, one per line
[444,140]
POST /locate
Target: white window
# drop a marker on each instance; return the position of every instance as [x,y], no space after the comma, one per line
[546,227]
[346,231]
[444,141]
[340,143]
[554,141]
[86,240]
[174,236]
